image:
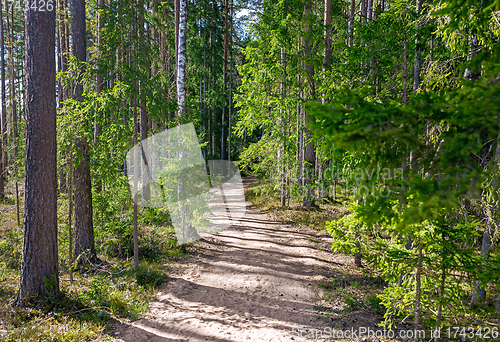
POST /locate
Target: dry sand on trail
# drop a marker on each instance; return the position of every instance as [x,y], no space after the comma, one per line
[255,281]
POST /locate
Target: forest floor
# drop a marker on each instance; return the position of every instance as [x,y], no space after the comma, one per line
[260,280]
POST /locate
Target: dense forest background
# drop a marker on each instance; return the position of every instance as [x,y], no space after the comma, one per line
[388,108]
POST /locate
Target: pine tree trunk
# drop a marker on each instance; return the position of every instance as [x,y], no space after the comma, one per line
[84,228]
[39,258]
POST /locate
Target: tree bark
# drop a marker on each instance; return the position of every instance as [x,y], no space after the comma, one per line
[181,58]
[3,117]
[418,290]
[100,78]
[491,206]
[84,228]
[418,53]
[12,82]
[310,153]
[351,23]
[39,258]
[224,77]
[328,33]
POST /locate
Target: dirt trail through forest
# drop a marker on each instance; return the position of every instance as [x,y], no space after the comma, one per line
[255,281]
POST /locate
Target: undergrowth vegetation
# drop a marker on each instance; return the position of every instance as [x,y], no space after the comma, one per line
[264,196]
[94,296]
[381,285]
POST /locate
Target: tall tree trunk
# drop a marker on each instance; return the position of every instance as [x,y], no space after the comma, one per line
[310,153]
[224,77]
[12,83]
[418,53]
[3,116]
[135,232]
[405,74]
[146,192]
[283,124]
[177,6]
[99,87]
[362,18]
[490,206]
[60,17]
[327,21]
[440,305]
[181,58]
[84,228]
[100,78]
[418,290]
[351,23]
[39,258]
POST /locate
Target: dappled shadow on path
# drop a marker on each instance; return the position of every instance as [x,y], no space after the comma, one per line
[256,281]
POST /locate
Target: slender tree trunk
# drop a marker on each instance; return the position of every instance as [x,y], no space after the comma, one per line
[363,12]
[177,6]
[405,75]
[181,58]
[99,87]
[440,305]
[61,59]
[310,153]
[136,192]
[100,78]
[328,33]
[224,77]
[39,258]
[146,191]
[3,117]
[351,23]
[418,53]
[418,290]
[491,206]
[283,123]
[70,215]
[84,228]
[12,83]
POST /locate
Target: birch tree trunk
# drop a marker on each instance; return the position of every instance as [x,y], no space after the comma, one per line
[181,59]
[3,117]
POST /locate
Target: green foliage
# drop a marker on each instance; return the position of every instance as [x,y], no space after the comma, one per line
[346,233]
[451,144]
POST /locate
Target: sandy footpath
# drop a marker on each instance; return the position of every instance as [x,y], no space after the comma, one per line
[255,281]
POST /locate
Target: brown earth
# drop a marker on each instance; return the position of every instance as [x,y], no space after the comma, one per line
[256,281]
